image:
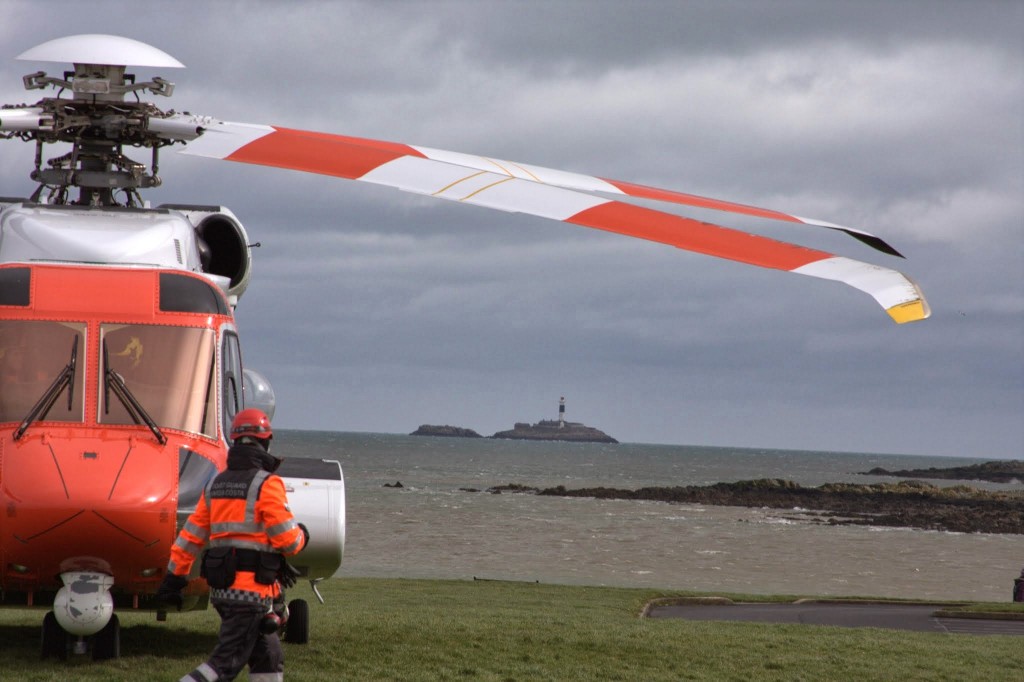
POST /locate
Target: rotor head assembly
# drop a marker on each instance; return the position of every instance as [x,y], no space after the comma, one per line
[103,115]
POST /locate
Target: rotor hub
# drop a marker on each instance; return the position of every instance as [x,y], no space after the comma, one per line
[98,121]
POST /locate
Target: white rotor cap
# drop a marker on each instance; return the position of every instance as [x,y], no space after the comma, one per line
[97,48]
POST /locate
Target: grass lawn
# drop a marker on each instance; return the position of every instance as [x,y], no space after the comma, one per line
[376,629]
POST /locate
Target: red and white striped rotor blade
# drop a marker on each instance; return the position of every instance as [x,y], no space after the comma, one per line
[410,169]
[590,183]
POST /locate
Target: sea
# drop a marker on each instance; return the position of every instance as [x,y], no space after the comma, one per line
[441,522]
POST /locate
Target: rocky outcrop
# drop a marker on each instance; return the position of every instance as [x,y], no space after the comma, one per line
[911,504]
[1005,471]
[512,488]
[445,431]
[553,430]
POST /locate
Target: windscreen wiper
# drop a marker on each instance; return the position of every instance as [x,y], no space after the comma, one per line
[113,381]
[66,379]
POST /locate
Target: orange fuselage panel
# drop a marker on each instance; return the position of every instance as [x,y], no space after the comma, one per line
[80,494]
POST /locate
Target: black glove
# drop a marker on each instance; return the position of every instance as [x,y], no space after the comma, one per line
[288,575]
[305,532]
[170,589]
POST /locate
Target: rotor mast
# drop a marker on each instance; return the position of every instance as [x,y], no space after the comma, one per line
[97,121]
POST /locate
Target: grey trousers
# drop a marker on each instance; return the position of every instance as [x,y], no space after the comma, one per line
[241,644]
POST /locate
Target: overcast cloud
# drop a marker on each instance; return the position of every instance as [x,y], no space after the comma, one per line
[373,310]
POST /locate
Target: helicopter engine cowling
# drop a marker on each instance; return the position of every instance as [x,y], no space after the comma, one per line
[223,245]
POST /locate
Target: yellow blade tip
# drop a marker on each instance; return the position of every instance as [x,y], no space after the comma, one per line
[911,311]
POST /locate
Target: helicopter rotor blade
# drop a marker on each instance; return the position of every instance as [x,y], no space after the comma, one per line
[549,194]
[590,183]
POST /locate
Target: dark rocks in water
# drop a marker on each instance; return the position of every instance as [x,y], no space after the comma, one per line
[512,488]
[1000,471]
[553,430]
[396,484]
[445,431]
[911,504]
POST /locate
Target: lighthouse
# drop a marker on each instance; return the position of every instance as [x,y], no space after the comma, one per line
[561,412]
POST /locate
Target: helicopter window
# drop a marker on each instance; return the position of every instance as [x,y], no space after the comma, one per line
[184,294]
[210,411]
[15,286]
[33,354]
[232,384]
[167,371]
[194,472]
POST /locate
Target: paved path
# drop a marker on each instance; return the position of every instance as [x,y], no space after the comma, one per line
[917,617]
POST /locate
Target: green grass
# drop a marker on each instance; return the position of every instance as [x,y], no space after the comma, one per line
[462,630]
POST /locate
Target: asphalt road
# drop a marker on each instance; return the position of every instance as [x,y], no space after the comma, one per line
[918,617]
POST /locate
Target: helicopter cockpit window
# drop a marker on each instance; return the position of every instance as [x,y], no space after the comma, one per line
[15,286]
[168,374]
[194,472]
[41,370]
[232,380]
[184,294]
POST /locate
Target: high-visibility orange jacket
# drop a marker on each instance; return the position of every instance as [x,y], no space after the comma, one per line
[244,507]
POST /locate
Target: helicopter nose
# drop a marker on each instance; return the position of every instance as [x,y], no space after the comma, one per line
[87,504]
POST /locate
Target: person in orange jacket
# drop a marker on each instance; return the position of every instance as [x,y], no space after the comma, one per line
[244,521]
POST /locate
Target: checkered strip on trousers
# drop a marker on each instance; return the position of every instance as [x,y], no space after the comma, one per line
[244,596]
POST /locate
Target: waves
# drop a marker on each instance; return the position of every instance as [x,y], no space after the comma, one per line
[431,529]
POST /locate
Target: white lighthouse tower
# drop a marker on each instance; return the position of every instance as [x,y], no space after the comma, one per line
[561,412]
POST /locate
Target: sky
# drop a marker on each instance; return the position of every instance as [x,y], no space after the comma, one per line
[375,310]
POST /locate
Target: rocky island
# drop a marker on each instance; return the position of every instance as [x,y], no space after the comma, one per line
[1000,471]
[445,431]
[545,429]
[552,430]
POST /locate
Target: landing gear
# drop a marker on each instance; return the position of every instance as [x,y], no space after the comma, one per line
[296,630]
[106,643]
[56,641]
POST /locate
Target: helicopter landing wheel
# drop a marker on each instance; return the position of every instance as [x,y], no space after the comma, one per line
[55,640]
[106,643]
[296,631]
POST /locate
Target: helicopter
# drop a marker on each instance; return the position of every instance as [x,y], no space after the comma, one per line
[120,358]
[120,367]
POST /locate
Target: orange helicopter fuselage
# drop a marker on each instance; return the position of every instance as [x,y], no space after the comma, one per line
[113,384]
